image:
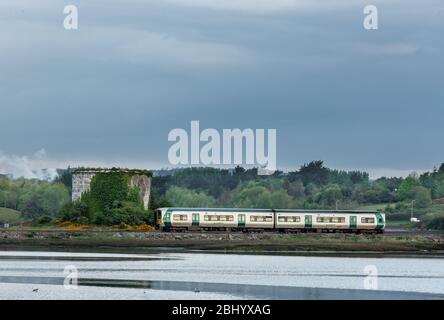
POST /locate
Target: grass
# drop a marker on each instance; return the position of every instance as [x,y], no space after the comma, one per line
[10,216]
[400,223]
[374,207]
[402,219]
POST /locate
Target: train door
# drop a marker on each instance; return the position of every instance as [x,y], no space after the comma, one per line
[308,221]
[241,220]
[353,223]
[157,218]
[167,219]
[195,219]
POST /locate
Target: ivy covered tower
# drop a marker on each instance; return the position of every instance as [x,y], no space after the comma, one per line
[141,179]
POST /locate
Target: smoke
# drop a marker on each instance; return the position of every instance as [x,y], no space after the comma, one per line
[34,167]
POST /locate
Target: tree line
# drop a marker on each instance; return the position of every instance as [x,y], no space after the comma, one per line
[312,186]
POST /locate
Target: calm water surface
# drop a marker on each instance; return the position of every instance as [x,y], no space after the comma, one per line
[39,275]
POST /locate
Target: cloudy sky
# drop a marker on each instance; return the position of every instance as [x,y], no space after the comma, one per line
[109,92]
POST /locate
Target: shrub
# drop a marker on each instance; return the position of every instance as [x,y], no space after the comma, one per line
[123,212]
[44,219]
[77,211]
[436,223]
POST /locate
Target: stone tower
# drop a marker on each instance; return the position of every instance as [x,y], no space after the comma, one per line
[81,182]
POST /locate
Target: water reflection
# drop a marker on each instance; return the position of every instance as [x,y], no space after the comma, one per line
[127,276]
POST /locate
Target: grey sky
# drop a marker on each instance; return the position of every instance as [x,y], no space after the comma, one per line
[109,92]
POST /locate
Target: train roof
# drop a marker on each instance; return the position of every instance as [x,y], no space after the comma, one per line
[326,211]
[220,209]
[271,210]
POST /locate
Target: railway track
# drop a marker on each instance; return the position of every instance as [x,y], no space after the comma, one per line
[388,232]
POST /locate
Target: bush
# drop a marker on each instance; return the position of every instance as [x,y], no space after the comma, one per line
[123,212]
[77,212]
[44,219]
[436,223]
[422,197]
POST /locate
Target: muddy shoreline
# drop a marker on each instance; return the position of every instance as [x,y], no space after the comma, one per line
[258,243]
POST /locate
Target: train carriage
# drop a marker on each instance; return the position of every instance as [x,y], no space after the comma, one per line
[182,219]
[330,221]
[170,219]
[290,221]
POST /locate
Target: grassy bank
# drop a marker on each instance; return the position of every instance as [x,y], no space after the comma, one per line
[264,242]
[10,216]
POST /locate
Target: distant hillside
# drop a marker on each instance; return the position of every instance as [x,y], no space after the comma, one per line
[9,216]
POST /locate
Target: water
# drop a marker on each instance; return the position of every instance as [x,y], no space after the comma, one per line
[166,275]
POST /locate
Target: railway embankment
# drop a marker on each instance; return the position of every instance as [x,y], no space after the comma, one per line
[313,243]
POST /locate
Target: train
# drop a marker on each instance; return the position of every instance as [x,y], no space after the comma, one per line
[281,220]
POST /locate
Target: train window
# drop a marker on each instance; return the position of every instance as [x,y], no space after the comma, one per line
[260,219]
[367,220]
[180,217]
[289,219]
[218,218]
[330,219]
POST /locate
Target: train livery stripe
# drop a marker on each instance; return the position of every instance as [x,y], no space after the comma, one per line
[241,220]
[195,219]
[380,221]
[167,218]
[308,221]
[353,222]
[274,219]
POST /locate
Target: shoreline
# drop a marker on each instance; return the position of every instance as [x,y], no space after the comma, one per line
[233,243]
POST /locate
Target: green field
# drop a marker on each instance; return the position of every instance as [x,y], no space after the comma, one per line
[373,207]
[425,215]
[10,216]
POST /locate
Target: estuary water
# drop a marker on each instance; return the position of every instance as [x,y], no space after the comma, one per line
[169,275]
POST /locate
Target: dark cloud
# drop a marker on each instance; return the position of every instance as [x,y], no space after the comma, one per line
[112,90]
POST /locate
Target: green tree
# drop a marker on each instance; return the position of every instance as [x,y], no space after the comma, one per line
[186,198]
[422,197]
[42,198]
[406,188]
[295,189]
[328,196]
[378,193]
[313,172]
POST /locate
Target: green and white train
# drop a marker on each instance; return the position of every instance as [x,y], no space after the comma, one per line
[224,219]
